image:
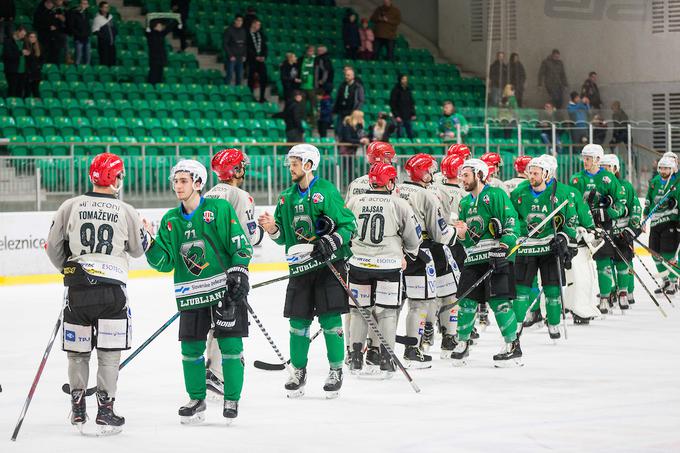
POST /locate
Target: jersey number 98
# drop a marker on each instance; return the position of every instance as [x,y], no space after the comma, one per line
[98,240]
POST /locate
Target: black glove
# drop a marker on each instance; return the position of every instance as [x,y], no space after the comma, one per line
[629,234]
[606,201]
[600,216]
[325,225]
[672,203]
[559,245]
[498,258]
[325,246]
[237,284]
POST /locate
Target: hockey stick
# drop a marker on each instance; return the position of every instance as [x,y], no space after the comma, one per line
[670,266]
[34,385]
[259,364]
[538,298]
[66,388]
[512,251]
[623,258]
[558,260]
[653,279]
[658,204]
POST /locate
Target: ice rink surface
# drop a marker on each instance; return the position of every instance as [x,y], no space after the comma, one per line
[612,386]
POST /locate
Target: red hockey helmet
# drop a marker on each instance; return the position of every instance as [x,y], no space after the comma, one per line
[419,166]
[521,164]
[451,164]
[493,160]
[379,152]
[225,163]
[105,169]
[459,149]
[381,174]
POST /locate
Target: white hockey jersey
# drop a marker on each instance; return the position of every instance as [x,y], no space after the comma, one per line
[361,185]
[387,230]
[428,211]
[243,204]
[97,231]
[512,184]
[449,195]
[495,182]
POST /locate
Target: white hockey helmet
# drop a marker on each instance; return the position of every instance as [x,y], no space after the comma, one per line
[611,160]
[667,162]
[477,165]
[544,164]
[306,153]
[672,155]
[197,170]
[592,150]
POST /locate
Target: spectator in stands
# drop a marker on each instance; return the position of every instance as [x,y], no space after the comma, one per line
[619,126]
[182,8]
[546,118]
[590,90]
[234,46]
[290,76]
[60,14]
[382,129]
[507,113]
[155,37]
[80,27]
[386,19]
[350,35]
[599,129]
[14,61]
[517,77]
[352,135]
[50,21]
[8,11]
[249,17]
[498,78]
[552,76]
[293,113]
[578,110]
[349,97]
[403,106]
[323,70]
[106,31]
[367,38]
[325,111]
[256,56]
[306,66]
[33,66]
[449,121]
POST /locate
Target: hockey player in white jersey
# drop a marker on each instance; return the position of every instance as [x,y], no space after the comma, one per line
[230,167]
[520,165]
[423,282]
[375,152]
[387,231]
[89,242]
[458,149]
[449,193]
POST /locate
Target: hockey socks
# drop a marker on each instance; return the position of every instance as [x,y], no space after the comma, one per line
[466,318]
[505,318]
[193,364]
[553,307]
[331,323]
[604,275]
[662,269]
[299,341]
[623,276]
[521,304]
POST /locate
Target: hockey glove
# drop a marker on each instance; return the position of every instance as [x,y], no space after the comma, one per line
[325,246]
[237,284]
[496,228]
[325,225]
[600,216]
[559,245]
[498,258]
[629,234]
[606,201]
[672,203]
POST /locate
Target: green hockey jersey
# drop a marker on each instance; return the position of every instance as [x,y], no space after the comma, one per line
[296,216]
[533,207]
[658,188]
[632,216]
[584,217]
[180,245]
[477,213]
[595,186]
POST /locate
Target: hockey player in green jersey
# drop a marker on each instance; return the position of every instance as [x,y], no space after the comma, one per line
[487,229]
[197,240]
[663,234]
[533,202]
[314,225]
[626,230]
[606,199]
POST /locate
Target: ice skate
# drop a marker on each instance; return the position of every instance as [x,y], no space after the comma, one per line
[447,346]
[604,305]
[230,411]
[356,359]
[296,383]
[535,319]
[554,332]
[474,335]
[214,386]
[580,320]
[460,353]
[510,356]
[372,361]
[664,287]
[672,289]
[78,409]
[108,422]
[333,383]
[623,300]
[386,365]
[192,413]
[415,358]
[483,319]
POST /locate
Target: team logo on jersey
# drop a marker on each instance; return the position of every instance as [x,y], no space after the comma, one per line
[193,255]
[486,199]
[606,180]
[282,200]
[317,198]
[169,226]
[519,200]
[574,181]
[208,216]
